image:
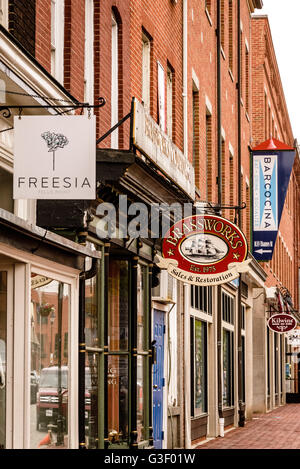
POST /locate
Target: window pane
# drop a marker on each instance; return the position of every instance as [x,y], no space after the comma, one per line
[91,313]
[200,366]
[227,368]
[3,313]
[6,190]
[91,400]
[141,383]
[117,383]
[141,306]
[50,305]
[118,305]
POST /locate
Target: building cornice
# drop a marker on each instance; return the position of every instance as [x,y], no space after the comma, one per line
[253,4]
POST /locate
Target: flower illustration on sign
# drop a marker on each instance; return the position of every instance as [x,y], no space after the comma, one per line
[54,141]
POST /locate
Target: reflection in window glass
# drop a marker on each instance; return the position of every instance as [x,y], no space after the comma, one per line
[3,312]
[140,405]
[227,368]
[118,305]
[141,305]
[200,367]
[50,305]
[91,315]
[91,364]
[117,382]
[91,400]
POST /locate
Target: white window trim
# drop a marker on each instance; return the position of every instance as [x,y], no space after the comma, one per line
[146,48]
[9,382]
[72,353]
[201,315]
[114,81]
[57,42]
[198,413]
[169,102]
[161,96]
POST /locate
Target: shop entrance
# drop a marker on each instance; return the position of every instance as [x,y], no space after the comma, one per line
[292,375]
[5,312]
[158,378]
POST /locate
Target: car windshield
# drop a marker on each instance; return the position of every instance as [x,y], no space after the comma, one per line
[49,378]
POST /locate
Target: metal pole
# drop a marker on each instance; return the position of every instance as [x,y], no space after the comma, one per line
[60,421]
[133,400]
[240,352]
[81,365]
[219,289]
[106,286]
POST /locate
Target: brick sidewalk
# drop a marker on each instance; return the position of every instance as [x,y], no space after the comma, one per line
[279,429]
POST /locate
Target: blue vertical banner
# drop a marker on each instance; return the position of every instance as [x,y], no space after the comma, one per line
[272,163]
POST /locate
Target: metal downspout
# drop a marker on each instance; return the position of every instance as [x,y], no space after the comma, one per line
[241,411]
[219,289]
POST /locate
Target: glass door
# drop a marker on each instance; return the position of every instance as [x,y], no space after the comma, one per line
[5,365]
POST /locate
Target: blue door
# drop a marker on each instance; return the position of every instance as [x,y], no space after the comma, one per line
[158,378]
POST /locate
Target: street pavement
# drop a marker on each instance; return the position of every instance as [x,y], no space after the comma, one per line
[279,429]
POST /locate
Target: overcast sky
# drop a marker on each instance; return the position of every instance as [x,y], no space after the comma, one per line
[284,18]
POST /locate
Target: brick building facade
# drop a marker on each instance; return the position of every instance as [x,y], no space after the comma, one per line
[165,364]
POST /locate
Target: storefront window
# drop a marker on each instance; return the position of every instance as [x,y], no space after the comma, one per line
[228,378]
[91,410]
[142,295]
[199,366]
[3,321]
[117,382]
[49,380]
[118,349]
[118,306]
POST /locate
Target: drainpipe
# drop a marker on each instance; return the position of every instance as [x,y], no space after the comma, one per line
[219,289]
[184,79]
[186,383]
[241,411]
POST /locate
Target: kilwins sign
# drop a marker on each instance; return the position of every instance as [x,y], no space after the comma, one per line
[282,323]
[204,250]
[54,157]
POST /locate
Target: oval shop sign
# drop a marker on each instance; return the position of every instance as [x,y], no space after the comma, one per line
[204,250]
[282,323]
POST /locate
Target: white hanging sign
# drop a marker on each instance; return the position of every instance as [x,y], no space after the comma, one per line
[293,338]
[55,157]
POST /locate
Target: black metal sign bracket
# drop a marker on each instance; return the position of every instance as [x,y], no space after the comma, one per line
[6,110]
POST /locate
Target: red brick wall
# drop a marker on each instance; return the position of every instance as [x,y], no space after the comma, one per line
[21,22]
[102,63]
[162,21]
[43,33]
[74,47]
[203,64]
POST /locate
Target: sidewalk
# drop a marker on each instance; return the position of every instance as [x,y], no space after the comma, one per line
[279,429]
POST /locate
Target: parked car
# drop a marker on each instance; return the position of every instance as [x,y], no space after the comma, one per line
[34,386]
[47,403]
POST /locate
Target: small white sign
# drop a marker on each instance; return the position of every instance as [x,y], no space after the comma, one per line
[55,157]
[293,338]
